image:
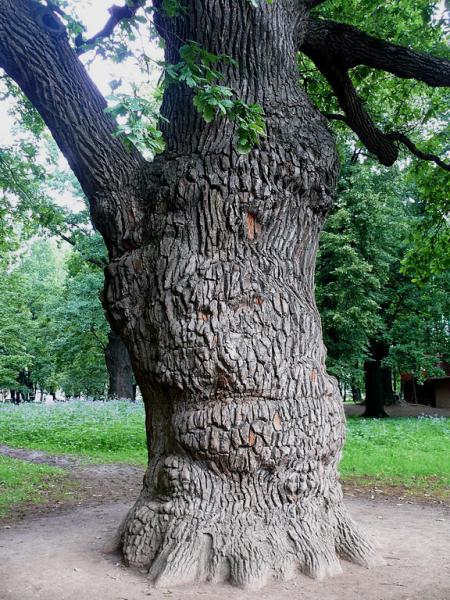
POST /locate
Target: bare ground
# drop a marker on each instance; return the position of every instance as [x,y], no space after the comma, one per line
[89,484]
[59,551]
[61,557]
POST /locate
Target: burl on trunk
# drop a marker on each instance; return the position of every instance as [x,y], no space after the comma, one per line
[245,427]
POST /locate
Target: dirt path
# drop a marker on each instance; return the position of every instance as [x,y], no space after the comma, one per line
[60,557]
[57,551]
[400,410]
[89,484]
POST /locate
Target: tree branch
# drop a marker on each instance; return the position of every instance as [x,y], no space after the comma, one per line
[351,47]
[35,52]
[313,3]
[335,48]
[98,338]
[356,117]
[336,117]
[118,14]
[90,259]
[397,136]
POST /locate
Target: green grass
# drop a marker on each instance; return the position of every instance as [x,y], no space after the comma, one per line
[409,452]
[22,482]
[100,431]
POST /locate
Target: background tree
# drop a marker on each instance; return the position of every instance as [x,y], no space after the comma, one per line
[211,253]
[358,248]
[69,342]
[15,321]
[376,319]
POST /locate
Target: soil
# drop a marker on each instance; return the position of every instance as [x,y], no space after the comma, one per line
[88,484]
[62,550]
[403,409]
[62,557]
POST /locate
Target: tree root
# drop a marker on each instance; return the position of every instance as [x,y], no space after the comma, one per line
[246,549]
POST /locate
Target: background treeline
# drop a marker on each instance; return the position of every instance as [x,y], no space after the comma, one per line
[385,307]
[53,333]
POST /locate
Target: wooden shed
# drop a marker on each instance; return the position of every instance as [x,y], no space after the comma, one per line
[434,391]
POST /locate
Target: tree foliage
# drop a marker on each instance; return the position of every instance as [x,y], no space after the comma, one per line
[363,292]
[52,324]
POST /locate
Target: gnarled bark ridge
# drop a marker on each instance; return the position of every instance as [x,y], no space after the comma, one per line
[245,426]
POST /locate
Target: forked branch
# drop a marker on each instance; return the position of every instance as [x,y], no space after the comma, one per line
[335,48]
[397,136]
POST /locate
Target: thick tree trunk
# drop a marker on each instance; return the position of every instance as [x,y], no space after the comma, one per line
[211,284]
[245,427]
[378,382]
[119,367]
[356,394]
[15,396]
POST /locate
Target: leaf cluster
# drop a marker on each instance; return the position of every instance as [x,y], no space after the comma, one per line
[137,122]
[196,69]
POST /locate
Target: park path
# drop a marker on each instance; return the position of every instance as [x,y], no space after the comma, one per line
[37,456]
[61,551]
[90,484]
[62,556]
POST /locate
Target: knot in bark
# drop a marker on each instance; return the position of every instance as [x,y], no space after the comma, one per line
[50,22]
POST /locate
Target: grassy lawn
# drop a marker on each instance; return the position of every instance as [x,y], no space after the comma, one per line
[100,431]
[22,482]
[407,452]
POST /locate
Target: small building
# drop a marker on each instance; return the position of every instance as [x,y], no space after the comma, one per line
[434,391]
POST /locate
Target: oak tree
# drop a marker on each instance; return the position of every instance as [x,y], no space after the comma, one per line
[211,267]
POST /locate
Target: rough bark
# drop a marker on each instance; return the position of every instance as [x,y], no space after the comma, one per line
[120,371]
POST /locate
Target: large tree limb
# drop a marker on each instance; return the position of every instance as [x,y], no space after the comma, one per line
[356,116]
[335,48]
[118,14]
[35,52]
[350,47]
